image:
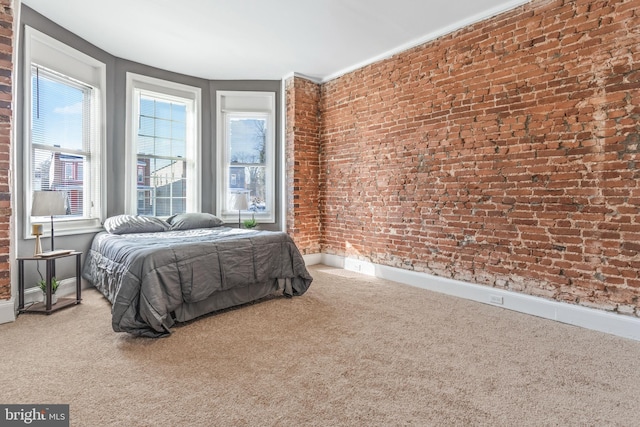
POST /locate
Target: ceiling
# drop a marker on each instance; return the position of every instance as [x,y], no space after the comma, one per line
[262,39]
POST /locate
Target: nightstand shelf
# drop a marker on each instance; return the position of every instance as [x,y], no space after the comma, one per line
[42,307]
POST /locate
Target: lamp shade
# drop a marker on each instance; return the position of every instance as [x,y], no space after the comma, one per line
[240,202]
[36,229]
[49,203]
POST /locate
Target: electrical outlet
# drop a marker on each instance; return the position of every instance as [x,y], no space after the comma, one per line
[495,299]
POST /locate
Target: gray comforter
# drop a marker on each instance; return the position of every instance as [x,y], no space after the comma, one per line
[148,277]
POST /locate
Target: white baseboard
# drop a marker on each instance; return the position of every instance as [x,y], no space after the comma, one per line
[312,259]
[7,311]
[589,318]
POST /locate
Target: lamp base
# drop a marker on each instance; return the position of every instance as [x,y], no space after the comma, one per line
[38,248]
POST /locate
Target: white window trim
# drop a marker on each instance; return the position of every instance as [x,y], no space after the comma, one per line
[222,175]
[136,84]
[50,53]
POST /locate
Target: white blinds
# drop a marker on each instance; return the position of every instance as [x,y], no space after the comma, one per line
[61,137]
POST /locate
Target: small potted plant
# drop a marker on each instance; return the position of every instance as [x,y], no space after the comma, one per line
[250,223]
[54,287]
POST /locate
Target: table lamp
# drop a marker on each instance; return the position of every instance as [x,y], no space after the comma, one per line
[49,203]
[240,203]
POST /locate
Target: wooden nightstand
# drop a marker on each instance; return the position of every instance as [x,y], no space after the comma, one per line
[41,307]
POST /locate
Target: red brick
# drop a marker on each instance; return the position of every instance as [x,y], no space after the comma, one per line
[6,49]
[518,141]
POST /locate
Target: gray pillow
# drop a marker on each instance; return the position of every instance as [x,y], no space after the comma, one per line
[127,224]
[188,221]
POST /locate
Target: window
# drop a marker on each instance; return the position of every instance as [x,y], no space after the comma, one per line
[63,131]
[162,147]
[246,153]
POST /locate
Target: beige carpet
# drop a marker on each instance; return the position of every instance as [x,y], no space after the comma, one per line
[353,351]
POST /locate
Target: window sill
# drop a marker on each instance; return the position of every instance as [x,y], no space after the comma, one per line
[262,218]
[67,228]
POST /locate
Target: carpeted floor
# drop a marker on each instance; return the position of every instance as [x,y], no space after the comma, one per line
[353,351]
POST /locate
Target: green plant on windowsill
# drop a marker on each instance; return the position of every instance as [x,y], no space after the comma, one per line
[250,223]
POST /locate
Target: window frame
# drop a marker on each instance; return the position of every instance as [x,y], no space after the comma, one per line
[244,103]
[140,85]
[51,54]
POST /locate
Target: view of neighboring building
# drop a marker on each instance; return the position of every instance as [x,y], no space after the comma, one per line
[62,172]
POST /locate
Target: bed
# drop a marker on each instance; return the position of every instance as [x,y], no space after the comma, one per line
[156,273]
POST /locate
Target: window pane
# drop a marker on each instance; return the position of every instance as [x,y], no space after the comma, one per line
[57,111]
[252,181]
[146,126]
[40,169]
[162,147]
[146,145]
[163,207]
[179,113]
[146,106]
[257,187]
[52,170]
[179,148]
[163,128]
[161,186]
[163,109]
[179,204]
[178,130]
[145,201]
[247,137]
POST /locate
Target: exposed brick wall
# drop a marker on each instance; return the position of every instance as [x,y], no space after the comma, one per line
[303,165]
[505,154]
[6,69]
